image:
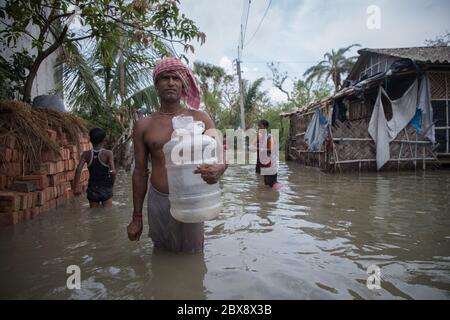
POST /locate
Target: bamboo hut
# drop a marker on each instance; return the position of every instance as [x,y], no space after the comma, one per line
[347,144]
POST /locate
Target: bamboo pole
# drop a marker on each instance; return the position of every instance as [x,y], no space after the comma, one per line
[399,156]
[319,159]
[415,151]
[369,139]
[334,149]
[423,161]
[374,160]
[410,148]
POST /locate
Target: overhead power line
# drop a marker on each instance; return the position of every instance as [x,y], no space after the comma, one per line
[283,61]
[245,13]
[246,20]
[238,62]
[260,22]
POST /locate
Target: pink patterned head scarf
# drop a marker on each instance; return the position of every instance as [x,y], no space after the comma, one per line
[191,93]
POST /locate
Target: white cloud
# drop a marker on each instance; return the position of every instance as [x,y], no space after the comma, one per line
[276,95]
[298,33]
[226,64]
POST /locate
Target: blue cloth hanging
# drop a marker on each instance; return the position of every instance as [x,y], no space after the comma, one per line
[417,120]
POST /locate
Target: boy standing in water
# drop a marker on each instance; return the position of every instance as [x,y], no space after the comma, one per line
[102,173]
[264,144]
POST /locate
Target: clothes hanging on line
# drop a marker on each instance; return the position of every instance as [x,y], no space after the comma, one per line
[316,132]
[424,105]
[383,131]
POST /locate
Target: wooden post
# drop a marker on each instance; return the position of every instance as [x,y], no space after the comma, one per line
[334,148]
[423,159]
[415,152]
[410,149]
[319,159]
[399,155]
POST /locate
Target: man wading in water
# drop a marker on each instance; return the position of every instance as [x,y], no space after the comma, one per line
[173,81]
[102,173]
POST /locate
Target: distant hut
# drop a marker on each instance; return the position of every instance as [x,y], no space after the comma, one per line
[333,133]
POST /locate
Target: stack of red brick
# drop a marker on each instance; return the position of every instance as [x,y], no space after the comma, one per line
[53,180]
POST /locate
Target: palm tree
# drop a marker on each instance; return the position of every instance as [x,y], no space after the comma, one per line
[104,80]
[209,75]
[335,65]
[211,79]
[254,101]
[106,84]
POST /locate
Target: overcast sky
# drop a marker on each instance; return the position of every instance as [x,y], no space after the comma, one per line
[298,32]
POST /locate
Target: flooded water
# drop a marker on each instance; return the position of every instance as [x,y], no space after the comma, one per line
[315,239]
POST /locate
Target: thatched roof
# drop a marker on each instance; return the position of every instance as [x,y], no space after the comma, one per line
[418,54]
[28,126]
[435,55]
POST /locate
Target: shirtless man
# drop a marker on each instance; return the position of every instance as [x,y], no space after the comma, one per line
[173,81]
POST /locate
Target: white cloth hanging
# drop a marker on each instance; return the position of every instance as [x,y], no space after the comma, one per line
[383,131]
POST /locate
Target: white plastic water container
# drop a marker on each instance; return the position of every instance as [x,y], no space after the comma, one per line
[192,200]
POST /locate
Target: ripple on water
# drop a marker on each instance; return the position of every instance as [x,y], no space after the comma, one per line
[315,239]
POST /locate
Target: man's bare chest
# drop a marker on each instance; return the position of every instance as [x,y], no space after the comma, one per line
[157,135]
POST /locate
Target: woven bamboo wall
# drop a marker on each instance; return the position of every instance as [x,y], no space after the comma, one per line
[296,148]
[358,109]
[440,85]
[357,153]
[356,147]
[440,96]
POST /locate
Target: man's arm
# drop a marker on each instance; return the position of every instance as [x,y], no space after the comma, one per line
[140,178]
[76,183]
[140,173]
[112,167]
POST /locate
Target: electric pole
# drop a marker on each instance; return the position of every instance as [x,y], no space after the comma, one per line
[241,92]
[238,61]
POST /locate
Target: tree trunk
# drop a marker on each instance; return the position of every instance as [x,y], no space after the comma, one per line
[284,91]
[129,155]
[37,63]
[336,80]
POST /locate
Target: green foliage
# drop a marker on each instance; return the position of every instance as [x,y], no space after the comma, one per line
[305,93]
[335,66]
[219,94]
[301,96]
[12,74]
[255,102]
[150,23]
[106,85]
[276,121]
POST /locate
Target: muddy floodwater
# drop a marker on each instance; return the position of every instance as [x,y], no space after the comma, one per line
[320,237]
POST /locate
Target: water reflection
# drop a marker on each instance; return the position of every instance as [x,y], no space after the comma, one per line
[176,276]
[314,239]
